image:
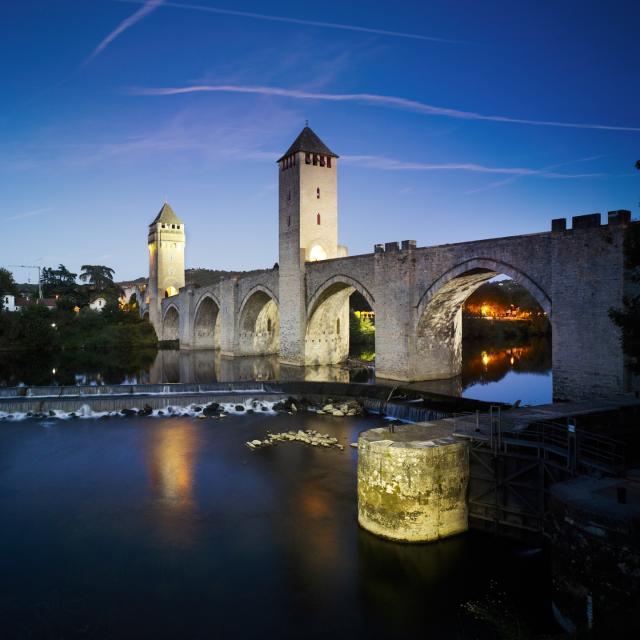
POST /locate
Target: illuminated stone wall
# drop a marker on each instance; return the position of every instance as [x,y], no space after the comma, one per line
[166,267]
[412,483]
[307,196]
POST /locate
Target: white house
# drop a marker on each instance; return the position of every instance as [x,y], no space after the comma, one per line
[9,303]
[98,304]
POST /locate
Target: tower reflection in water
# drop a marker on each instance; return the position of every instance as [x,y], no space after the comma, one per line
[170,455]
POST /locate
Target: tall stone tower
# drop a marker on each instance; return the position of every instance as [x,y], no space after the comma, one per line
[308,231]
[166,261]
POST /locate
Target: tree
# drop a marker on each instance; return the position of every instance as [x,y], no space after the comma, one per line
[60,281]
[7,285]
[99,276]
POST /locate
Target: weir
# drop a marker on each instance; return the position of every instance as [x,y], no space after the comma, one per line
[377,398]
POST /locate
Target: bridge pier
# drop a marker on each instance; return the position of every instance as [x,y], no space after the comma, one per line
[412,482]
[228,316]
[187,311]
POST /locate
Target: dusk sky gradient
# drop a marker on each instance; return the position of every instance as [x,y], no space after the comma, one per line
[454,121]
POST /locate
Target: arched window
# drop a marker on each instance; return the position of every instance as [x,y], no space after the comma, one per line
[318,193]
[315,160]
[318,218]
[338,326]
[288,221]
[307,158]
[268,325]
[329,162]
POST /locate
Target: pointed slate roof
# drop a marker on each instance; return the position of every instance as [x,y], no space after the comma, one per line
[167,214]
[309,142]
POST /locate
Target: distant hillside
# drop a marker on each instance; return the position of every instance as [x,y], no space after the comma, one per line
[205,277]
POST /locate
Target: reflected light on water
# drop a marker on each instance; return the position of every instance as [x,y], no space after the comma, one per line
[171,453]
[171,465]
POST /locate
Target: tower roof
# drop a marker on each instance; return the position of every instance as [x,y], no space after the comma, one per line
[167,214]
[309,142]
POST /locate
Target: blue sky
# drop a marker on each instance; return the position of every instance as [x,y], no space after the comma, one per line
[449,119]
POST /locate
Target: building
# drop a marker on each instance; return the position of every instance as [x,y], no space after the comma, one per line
[98,304]
[9,303]
[166,240]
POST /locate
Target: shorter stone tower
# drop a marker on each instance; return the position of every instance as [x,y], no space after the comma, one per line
[166,242]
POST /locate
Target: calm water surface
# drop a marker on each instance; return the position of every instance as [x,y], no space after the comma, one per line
[172,528]
[494,373]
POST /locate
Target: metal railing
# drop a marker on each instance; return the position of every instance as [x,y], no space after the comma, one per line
[576,449]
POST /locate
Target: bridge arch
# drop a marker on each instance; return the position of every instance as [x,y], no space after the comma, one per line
[206,323]
[259,323]
[327,333]
[171,323]
[475,272]
[439,313]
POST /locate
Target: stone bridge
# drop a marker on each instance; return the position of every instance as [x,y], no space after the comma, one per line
[417,294]
[299,312]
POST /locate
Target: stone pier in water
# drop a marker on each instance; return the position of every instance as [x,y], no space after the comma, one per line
[412,482]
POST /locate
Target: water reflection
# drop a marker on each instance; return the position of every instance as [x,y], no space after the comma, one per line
[169,461]
[170,456]
[484,364]
[489,372]
[203,366]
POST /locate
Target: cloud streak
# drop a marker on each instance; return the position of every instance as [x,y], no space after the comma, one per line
[391,164]
[28,214]
[543,171]
[373,99]
[148,7]
[307,23]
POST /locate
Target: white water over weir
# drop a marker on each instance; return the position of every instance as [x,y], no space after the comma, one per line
[188,399]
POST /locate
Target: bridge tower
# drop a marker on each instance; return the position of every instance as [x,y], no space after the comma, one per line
[308,231]
[166,242]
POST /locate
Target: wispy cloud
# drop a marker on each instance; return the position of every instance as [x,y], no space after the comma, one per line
[28,214]
[368,98]
[142,12]
[543,171]
[391,164]
[299,21]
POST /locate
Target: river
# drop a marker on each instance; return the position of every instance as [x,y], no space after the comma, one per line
[490,372]
[173,528]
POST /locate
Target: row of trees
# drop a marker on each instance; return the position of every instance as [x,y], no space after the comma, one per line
[38,328]
[95,279]
[63,284]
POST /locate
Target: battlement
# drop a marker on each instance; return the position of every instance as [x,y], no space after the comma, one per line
[591,220]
